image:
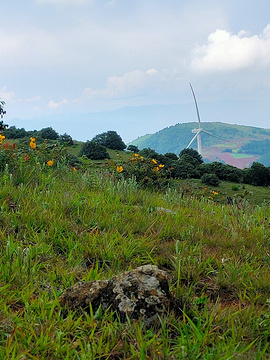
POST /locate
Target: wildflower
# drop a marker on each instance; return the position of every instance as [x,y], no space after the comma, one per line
[74,169]
[32,139]
[50,162]
[2,137]
[154,161]
[6,145]
[141,157]
[136,155]
[161,166]
[214,192]
[205,188]
[156,168]
[119,169]
[33,145]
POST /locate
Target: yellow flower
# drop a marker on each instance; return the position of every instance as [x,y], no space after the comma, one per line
[50,163]
[154,161]
[161,166]
[2,137]
[156,168]
[32,139]
[136,155]
[141,157]
[74,169]
[119,169]
[33,145]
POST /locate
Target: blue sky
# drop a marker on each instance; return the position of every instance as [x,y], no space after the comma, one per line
[80,56]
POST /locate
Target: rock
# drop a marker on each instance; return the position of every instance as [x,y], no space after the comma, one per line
[142,292]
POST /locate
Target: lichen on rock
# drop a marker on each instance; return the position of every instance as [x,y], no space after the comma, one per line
[142,292]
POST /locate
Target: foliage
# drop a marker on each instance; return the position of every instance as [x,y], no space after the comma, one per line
[222,171]
[133,148]
[175,138]
[60,226]
[110,139]
[257,175]
[48,133]
[94,151]
[2,113]
[193,154]
[210,179]
[144,171]
[14,133]
[66,139]
[259,147]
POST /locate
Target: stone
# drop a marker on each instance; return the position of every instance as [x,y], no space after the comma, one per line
[140,293]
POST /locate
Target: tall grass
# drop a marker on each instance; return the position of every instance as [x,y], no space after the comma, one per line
[60,226]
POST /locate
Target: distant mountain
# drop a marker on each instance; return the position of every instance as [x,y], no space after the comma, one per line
[175,138]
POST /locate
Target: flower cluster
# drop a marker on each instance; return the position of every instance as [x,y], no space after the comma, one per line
[2,137]
[33,144]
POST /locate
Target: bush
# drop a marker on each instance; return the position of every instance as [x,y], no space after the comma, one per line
[94,151]
[111,140]
[210,179]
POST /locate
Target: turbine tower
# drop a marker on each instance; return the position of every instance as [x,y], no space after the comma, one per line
[200,130]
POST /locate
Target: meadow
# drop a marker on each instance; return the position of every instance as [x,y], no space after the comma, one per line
[61,224]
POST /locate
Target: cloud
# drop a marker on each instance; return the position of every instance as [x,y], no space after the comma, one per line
[55,105]
[225,52]
[130,83]
[6,95]
[64,2]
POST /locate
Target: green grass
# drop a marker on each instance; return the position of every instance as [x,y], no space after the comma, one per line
[61,226]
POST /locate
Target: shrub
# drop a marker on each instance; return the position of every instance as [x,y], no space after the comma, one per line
[210,179]
[94,151]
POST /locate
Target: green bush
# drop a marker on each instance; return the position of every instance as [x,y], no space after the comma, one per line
[210,179]
[94,151]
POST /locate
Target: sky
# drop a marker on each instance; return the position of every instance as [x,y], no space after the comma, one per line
[62,57]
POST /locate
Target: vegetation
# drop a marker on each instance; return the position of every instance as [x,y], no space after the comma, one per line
[94,151]
[110,140]
[260,147]
[175,138]
[62,224]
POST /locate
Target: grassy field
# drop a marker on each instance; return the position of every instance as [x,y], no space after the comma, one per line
[60,226]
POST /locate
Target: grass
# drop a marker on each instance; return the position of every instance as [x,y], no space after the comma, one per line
[61,226]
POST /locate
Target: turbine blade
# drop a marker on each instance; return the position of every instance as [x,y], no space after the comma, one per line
[197,109]
[218,137]
[194,137]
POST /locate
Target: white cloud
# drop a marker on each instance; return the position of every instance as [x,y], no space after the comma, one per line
[64,2]
[55,105]
[225,51]
[128,84]
[6,95]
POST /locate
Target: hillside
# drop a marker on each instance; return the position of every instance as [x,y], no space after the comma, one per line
[175,138]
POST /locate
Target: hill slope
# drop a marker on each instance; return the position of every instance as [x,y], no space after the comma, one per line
[175,138]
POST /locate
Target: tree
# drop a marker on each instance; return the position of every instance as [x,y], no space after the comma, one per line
[257,175]
[193,153]
[66,139]
[48,133]
[210,179]
[111,140]
[2,113]
[133,148]
[94,151]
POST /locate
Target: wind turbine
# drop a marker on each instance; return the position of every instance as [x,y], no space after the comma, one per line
[200,130]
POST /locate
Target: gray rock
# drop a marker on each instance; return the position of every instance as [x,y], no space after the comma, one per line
[142,292]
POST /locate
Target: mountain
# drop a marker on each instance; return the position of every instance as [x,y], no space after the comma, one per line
[175,138]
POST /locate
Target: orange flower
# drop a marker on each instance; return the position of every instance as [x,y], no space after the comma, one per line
[50,163]
[119,168]
[136,155]
[33,145]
